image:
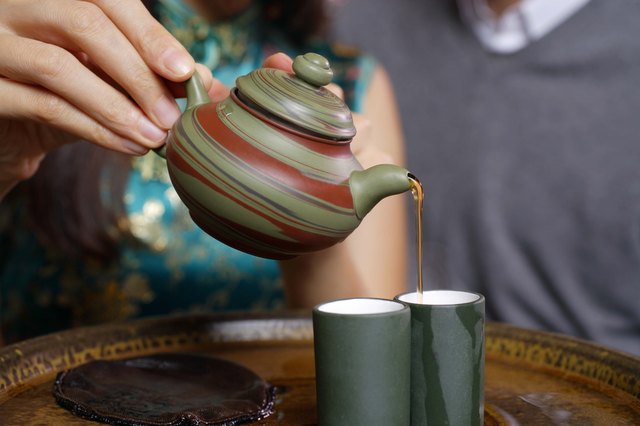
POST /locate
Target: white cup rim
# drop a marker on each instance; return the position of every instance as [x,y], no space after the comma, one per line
[440,298]
[360,306]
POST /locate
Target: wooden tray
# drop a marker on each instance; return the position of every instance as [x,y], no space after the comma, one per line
[532,378]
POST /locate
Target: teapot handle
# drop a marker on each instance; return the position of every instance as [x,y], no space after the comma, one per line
[196,95]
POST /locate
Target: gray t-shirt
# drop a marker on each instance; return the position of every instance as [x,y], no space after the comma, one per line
[530,161]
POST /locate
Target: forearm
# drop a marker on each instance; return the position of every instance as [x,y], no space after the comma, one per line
[17,167]
[371,262]
[317,277]
[5,187]
[378,248]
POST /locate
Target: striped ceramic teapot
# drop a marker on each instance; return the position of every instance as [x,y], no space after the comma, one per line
[269,170]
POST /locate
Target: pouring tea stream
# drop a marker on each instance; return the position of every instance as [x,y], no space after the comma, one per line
[269,169]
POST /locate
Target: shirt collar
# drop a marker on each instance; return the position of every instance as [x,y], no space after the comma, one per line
[519,25]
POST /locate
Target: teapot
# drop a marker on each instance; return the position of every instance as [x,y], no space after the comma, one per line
[269,170]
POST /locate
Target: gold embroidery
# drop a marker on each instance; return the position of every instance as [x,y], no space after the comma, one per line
[152,167]
[149,229]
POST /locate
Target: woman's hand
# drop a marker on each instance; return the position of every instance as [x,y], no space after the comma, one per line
[92,69]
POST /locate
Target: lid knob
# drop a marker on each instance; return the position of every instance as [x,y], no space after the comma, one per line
[313,68]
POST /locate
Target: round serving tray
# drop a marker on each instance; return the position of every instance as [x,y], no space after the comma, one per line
[531,377]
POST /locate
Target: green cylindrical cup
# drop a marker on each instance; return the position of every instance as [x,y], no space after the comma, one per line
[447,357]
[362,355]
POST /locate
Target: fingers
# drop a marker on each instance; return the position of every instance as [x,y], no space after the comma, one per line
[363,132]
[216,90]
[279,61]
[33,103]
[83,26]
[19,170]
[157,47]
[335,89]
[59,21]
[50,67]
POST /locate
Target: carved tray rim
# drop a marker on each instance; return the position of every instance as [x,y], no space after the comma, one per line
[31,362]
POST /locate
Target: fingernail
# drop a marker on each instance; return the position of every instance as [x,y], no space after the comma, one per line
[150,130]
[134,148]
[178,63]
[166,111]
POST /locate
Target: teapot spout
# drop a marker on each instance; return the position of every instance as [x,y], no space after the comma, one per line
[370,186]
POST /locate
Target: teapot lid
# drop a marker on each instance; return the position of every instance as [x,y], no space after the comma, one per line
[299,99]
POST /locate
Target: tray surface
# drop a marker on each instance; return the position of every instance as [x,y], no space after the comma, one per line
[531,377]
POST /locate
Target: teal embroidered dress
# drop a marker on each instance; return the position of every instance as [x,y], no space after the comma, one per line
[174,267]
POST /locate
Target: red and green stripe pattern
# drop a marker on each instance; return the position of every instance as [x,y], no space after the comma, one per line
[260,188]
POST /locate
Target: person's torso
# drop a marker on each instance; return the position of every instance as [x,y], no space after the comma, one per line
[529,162]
